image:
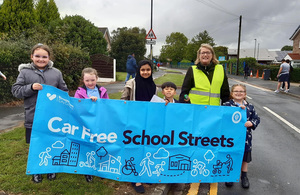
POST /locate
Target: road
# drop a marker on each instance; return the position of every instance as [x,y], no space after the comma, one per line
[275,157]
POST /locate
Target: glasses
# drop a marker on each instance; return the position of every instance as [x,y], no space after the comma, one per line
[207,53]
[38,56]
[238,91]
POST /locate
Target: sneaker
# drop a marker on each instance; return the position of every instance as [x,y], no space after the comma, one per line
[245,182]
[286,91]
[51,176]
[276,91]
[281,89]
[88,178]
[37,178]
[228,184]
[139,189]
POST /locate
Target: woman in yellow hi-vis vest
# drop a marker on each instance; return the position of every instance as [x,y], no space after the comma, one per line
[206,82]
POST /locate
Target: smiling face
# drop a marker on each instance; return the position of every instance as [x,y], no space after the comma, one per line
[205,56]
[145,71]
[90,80]
[238,93]
[40,58]
[168,92]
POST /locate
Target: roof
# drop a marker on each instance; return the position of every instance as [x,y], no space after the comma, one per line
[260,54]
[281,55]
[295,33]
[294,56]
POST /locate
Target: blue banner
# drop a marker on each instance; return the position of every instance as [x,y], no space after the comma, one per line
[136,141]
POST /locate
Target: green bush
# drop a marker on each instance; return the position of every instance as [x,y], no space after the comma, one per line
[68,59]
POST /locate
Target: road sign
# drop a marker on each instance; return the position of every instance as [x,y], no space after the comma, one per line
[151,35]
[150,42]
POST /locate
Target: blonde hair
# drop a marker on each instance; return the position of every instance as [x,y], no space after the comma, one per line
[207,46]
[236,85]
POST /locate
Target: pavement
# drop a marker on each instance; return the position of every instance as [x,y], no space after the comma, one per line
[10,117]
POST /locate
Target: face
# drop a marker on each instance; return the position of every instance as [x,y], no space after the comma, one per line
[205,56]
[40,58]
[238,93]
[90,80]
[168,92]
[145,71]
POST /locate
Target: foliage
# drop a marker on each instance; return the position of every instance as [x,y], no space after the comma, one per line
[221,51]
[175,47]
[194,45]
[125,42]
[82,33]
[287,48]
[46,12]
[16,16]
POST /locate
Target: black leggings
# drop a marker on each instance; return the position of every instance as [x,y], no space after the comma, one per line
[28,135]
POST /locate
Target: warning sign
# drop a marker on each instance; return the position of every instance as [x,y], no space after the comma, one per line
[151,35]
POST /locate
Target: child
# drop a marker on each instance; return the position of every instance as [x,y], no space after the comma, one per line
[168,89]
[90,90]
[30,78]
[238,99]
[140,88]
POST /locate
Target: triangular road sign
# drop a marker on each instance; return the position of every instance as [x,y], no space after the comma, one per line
[151,35]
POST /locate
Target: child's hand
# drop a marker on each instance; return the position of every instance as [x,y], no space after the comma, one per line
[243,107]
[167,101]
[93,98]
[37,86]
[248,124]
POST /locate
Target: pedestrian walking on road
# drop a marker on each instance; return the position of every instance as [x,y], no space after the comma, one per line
[140,88]
[238,99]
[131,67]
[90,90]
[30,78]
[283,76]
[289,79]
[2,75]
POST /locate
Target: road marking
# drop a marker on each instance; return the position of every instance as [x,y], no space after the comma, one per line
[194,189]
[282,119]
[264,89]
[213,189]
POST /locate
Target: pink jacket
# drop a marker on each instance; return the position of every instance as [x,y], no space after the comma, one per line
[82,94]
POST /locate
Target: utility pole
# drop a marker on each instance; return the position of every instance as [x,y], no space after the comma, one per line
[257,51]
[238,51]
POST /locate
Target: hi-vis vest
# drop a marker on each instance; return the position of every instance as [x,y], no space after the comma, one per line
[205,92]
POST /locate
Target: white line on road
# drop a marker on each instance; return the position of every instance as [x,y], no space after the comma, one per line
[282,119]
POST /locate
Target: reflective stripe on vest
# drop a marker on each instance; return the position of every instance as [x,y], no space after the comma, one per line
[204,92]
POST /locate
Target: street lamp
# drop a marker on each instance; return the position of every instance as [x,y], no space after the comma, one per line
[254,47]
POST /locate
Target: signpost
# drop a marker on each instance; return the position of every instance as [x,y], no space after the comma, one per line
[150,42]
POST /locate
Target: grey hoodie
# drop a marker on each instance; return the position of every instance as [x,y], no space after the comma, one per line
[28,75]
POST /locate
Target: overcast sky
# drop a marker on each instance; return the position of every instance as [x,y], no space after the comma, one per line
[270,22]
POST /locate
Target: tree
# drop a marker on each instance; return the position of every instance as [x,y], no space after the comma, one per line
[46,12]
[82,33]
[126,41]
[221,51]
[175,47]
[194,45]
[287,48]
[16,16]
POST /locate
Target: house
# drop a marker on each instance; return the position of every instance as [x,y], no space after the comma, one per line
[106,36]
[263,56]
[296,40]
[295,56]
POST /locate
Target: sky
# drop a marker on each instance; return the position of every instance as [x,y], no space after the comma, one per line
[270,22]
